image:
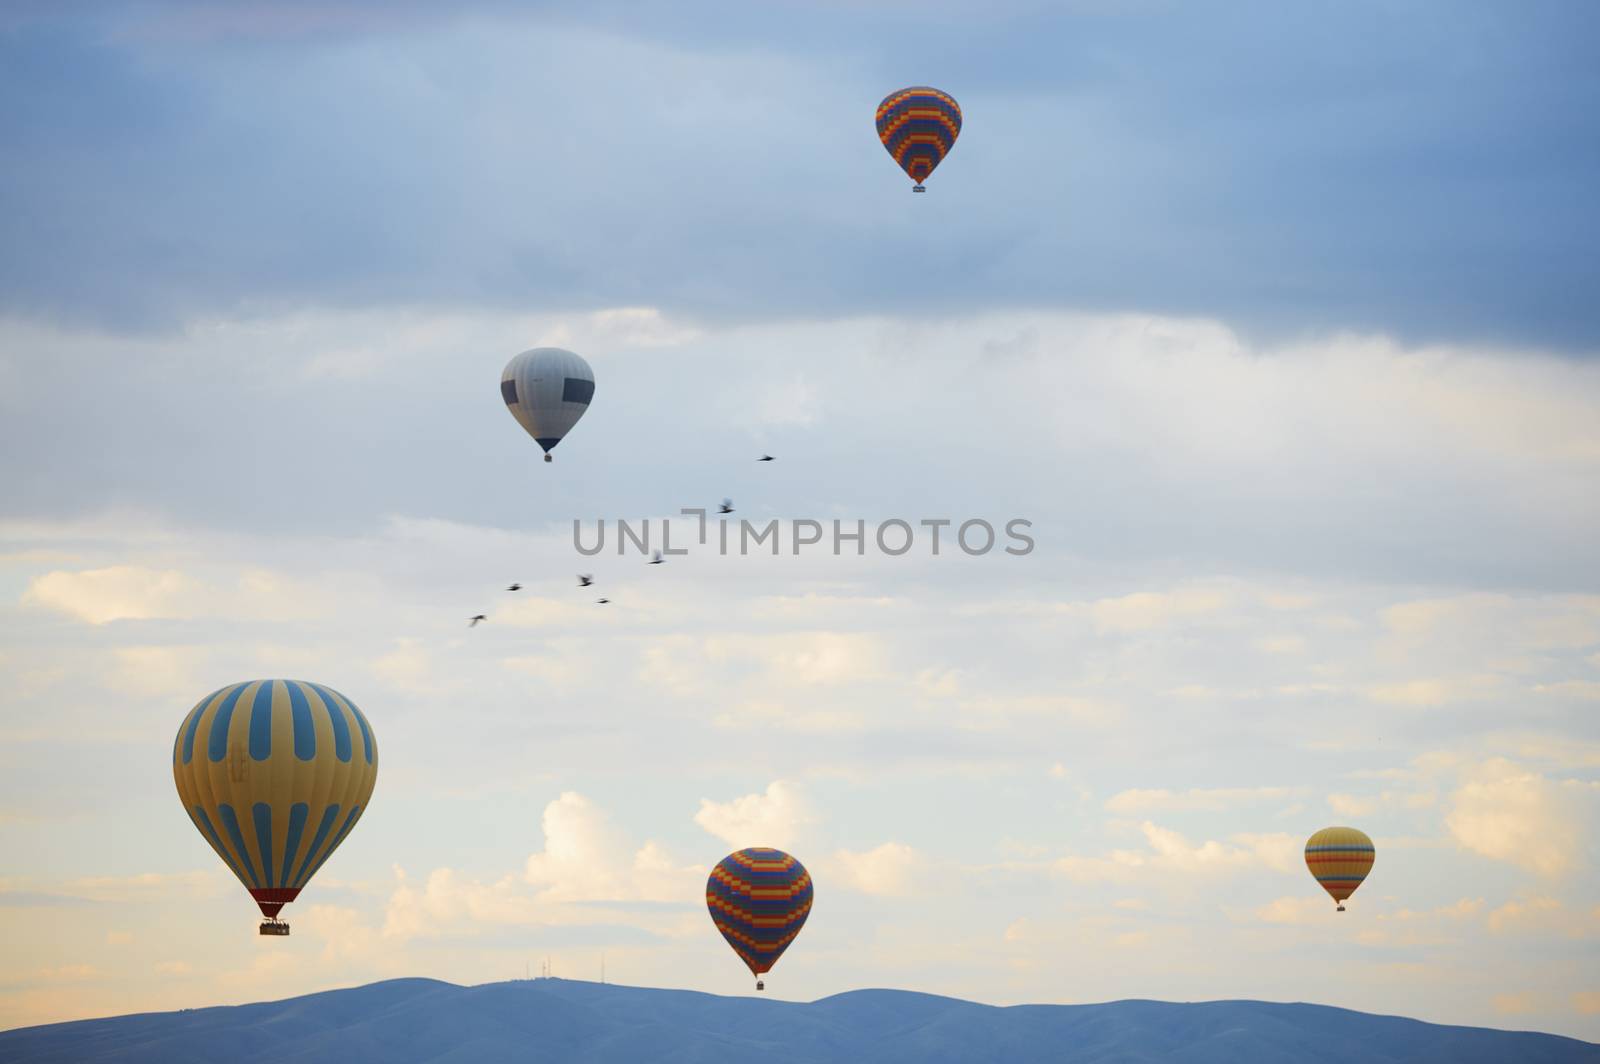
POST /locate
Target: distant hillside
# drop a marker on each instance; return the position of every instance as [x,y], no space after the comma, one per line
[557,1020]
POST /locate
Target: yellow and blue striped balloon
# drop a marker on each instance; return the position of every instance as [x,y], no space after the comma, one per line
[274,774]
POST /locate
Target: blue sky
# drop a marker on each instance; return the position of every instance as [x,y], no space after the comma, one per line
[1423,171]
[1276,324]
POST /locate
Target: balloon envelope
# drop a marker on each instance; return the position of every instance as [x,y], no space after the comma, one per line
[274,774]
[759,899]
[1340,859]
[918,127]
[547,390]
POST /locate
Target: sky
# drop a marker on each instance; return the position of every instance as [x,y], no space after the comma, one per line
[1275,323]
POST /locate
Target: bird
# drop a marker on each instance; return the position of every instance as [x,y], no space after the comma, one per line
[514,587]
[603,601]
[726,507]
[766,458]
[658,559]
[476,617]
[584,579]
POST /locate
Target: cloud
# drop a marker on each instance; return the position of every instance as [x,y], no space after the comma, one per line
[408,667]
[1145,610]
[890,870]
[1296,909]
[803,659]
[1093,712]
[587,873]
[1516,1004]
[67,973]
[156,671]
[1170,852]
[120,592]
[533,611]
[587,858]
[777,817]
[1525,914]
[449,903]
[1588,690]
[1507,812]
[1439,691]
[1212,799]
[1350,805]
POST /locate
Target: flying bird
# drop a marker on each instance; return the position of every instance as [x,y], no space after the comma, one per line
[584,579]
[658,559]
[603,601]
[726,507]
[476,617]
[514,587]
[766,458]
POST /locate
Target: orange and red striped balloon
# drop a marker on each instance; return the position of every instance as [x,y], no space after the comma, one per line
[1340,859]
[918,127]
[759,899]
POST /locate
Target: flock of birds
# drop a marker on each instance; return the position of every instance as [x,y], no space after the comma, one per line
[587,579]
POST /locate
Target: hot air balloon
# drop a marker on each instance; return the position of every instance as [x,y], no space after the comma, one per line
[759,899]
[547,390]
[1340,858]
[919,126]
[274,774]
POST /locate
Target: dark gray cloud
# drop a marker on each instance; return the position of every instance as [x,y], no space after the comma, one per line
[1423,170]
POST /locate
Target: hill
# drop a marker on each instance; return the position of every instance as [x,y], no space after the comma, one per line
[589,1023]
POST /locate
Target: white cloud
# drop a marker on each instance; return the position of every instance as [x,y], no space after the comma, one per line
[940,682]
[778,817]
[1350,805]
[449,903]
[587,858]
[889,870]
[1516,1004]
[1508,812]
[120,592]
[1527,914]
[1438,691]
[1213,799]
[1281,644]
[1147,610]
[532,611]
[1093,712]
[1307,908]
[156,671]
[803,659]
[1169,851]
[408,667]
[1588,690]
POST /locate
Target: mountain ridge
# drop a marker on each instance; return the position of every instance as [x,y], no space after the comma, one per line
[420,1019]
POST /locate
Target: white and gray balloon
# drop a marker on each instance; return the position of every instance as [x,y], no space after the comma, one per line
[547,390]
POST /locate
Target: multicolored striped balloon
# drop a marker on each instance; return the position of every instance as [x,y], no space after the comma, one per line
[1340,858]
[274,774]
[759,899]
[919,126]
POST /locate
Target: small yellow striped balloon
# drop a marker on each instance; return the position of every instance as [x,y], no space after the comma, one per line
[1340,859]
[274,774]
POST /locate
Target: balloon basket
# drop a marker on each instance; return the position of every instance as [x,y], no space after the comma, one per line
[919,188]
[760,985]
[1340,909]
[274,927]
[547,458]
